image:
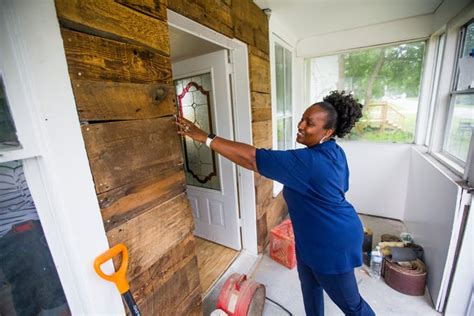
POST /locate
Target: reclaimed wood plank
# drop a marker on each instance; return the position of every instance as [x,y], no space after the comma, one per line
[210,13]
[261,114]
[276,212]
[121,204]
[154,8]
[258,53]
[176,295]
[128,151]
[261,100]
[110,19]
[262,134]
[144,284]
[213,261]
[262,233]
[94,58]
[262,41]
[108,101]
[154,233]
[259,71]
[244,31]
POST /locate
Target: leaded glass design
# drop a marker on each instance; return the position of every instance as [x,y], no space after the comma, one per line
[194,103]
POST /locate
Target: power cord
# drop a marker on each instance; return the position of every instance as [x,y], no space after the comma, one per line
[277,304]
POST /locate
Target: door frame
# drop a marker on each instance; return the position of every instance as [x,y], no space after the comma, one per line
[242,119]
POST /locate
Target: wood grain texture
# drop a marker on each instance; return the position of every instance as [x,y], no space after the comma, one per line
[262,134]
[214,14]
[177,295]
[276,212]
[95,58]
[152,234]
[213,261]
[129,151]
[262,233]
[111,19]
[108,101]
[145,283]
[244,31]
[261,100]
[259,70]
[154,8]
[122,204]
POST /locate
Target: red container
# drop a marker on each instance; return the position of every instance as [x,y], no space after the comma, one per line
[240,296]
[282,244]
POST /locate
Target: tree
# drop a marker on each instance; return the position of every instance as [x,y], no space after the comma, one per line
[372,73]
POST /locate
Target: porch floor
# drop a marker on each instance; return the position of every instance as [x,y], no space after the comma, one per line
[213,261]
[282,285]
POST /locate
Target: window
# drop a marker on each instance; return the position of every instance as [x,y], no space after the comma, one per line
[8,136]
[284,108]
[386,80]
[434,88]
[461,110]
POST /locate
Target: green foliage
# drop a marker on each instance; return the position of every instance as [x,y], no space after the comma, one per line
[400,71]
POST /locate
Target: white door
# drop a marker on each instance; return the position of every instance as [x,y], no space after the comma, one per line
[203,97]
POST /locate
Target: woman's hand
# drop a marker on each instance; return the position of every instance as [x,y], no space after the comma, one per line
[187,128]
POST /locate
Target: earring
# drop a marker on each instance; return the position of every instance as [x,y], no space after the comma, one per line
[322,140]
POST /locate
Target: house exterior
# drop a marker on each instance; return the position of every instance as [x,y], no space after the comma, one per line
[93,83]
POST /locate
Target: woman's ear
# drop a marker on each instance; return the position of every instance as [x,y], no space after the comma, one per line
[328,133]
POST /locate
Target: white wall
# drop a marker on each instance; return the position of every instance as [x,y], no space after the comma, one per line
[429,214]
[378,177]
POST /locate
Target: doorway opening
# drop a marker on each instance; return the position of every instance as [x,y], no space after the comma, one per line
[215,97]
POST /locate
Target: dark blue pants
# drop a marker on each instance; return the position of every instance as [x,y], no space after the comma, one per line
[341,288]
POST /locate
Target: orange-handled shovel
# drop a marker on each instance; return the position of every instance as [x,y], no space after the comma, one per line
[119,277]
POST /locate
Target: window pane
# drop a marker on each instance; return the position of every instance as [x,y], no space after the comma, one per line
[280,79]
[289,137]
[465,69]
[29,283]
[434,90]
[194,103]
[386,81]
[468,40]
[288,92]
[460,126]
[8,137]
[280,134]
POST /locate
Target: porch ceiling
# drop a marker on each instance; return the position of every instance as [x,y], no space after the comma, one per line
[306,18]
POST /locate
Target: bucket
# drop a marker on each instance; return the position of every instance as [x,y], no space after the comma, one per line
[241,297]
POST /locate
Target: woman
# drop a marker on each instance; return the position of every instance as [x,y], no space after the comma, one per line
[328,232]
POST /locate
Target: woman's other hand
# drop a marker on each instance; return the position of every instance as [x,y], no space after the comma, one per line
[187,128]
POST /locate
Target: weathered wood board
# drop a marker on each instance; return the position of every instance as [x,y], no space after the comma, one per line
[122,204]
[110,19]
[154,8]
[108,101]
[128,151]
[155,232]
[95,58]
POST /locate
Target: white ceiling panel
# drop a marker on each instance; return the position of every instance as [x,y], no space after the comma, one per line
[305,18]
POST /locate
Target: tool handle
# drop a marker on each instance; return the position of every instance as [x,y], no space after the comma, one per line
[118,277]
[132,306]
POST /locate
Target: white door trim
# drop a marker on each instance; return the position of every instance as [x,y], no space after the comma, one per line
[242,118]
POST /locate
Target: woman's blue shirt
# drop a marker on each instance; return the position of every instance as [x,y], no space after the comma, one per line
[328,232]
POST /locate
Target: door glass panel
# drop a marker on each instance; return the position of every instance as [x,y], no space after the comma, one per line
[195,104]
[288,133]
[8,137]
[29,283]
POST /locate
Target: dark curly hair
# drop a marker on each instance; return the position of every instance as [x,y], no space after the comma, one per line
[343,111]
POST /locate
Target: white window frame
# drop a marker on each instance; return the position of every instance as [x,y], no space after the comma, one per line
[443,104]
[53,153]
[278,37]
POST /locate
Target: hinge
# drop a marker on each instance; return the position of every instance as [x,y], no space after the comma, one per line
[239,222]
[229,65]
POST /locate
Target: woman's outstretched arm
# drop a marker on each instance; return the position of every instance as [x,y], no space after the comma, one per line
[239,153]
